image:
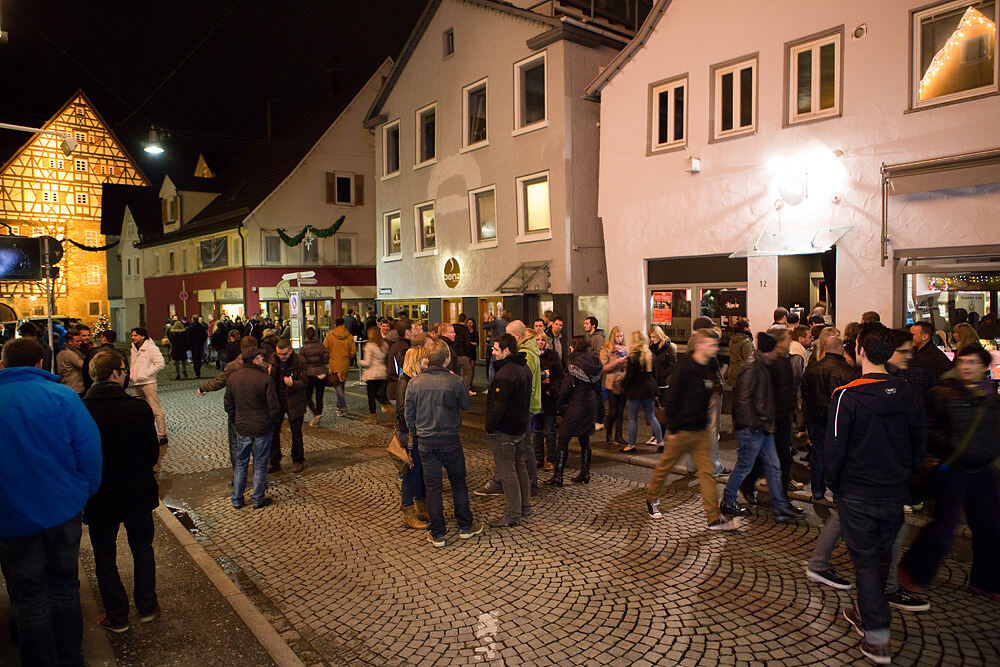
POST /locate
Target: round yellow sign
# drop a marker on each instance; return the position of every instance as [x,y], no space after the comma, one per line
[452,273]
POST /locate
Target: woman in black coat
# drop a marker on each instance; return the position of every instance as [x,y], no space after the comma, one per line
[640,388]
[545,421]
[577,403]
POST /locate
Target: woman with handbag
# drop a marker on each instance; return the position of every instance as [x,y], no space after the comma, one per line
[613,355]
[317,361]
[640,388]
[375,373]
[414,495]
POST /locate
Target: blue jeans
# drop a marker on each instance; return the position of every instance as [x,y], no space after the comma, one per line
[260,446]
[817,436]
[412,484]
[446,454]
[341,397]
[648,406]
[751,445]
[41,573]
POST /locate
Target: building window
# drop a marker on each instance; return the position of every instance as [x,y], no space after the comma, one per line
[128,266]
[310,251]
[423,215]
[214,253]
[79,165]
[81,197]
[426,135]
[344,189]
[345,250]
[79,111]
[814,71]
[668,114]
[474,111]
[954,52]
[90,238]
[483,216]
[137,271]
[49,196]
[533,207]
[272,248]
[94,307]
[393,234]
[80,137]
[171,264]
[448,40]
[734,98]
[529,91]
[52,163]
[390,149]
[93,275]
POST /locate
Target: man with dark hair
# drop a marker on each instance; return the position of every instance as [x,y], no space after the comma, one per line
[559,344]
[397,354]
[219,382]
[792,319]
[595,336]
[780,318]
[288,370]
[870,316]
[875,444]
[435,399]
[128,492]
[146,363]
[253,403]
[464,353]
[107,344]
[925,353]
[51,453]
[507,419]
[29,330]
[70,362]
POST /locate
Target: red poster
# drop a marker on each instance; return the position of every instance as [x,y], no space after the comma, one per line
[662,312]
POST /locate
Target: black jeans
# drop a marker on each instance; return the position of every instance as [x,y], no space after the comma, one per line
[197,358]
[615,414]
[376,390]
[509,459]
[869,527]
[298,452]
[41,573]
[104,538]
[545,437]
[817,436]
[446,454]
[314,397]
[954,491]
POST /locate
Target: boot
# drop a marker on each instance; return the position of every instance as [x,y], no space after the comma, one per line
[584,475]
[421,506]
[372,420]
[618,433]
[411,520]
[557,476]
[608,427]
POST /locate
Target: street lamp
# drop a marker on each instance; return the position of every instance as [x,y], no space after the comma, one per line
[153,146]
[67,145]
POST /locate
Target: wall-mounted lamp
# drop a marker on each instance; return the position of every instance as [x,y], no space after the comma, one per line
[693,165]
[860,31]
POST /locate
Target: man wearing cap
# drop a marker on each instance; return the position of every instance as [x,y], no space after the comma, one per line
[252,402]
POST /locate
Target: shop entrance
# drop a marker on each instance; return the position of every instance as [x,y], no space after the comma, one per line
[492,305]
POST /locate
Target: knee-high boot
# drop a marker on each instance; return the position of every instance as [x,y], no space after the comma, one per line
[584,475]
[557,476]
[618,430]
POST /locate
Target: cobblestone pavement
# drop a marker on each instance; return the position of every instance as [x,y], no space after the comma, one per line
[589,580]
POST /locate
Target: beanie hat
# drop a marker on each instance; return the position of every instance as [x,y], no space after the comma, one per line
[703,322]
[766,342]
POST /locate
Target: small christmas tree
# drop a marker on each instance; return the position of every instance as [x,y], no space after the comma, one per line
[103,324]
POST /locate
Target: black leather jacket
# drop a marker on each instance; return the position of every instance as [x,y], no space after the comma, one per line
[753,397]
[819,382]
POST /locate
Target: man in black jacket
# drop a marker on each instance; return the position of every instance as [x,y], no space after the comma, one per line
[128,492]
[754,424]
[288,370]
[507,418]
[465,356]
[925,353]
[687,399]
[252,402]
[875,444]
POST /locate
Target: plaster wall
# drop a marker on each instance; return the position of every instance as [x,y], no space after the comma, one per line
[653,208]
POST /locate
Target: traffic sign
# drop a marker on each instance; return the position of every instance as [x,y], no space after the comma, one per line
[184,296]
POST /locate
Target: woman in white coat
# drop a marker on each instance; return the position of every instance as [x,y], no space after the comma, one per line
[375,372]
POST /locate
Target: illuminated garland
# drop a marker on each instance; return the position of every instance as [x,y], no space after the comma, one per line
[292,241]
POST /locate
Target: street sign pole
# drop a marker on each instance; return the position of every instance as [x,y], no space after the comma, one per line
[295,304]
[49,299]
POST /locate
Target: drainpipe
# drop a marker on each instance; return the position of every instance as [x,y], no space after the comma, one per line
[243,258]
[885,214]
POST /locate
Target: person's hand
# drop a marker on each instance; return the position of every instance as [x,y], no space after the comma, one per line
[288,381]
[322,377]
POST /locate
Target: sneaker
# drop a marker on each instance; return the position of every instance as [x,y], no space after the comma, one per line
[915,507]
[723,472]
[854,618]
[471,531]
[106,623]
[786,515]
[795,486]
[598,427]
[880,655]
[830,578]
[734,509]
[504,523]
[492,488]
[151,616]
[341,412]
[652,441]
[653,509]
[438,542]
[725,524]
[903,601]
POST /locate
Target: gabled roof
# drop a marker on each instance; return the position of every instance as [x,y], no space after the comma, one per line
[141,200]
[189,183]
[625,55]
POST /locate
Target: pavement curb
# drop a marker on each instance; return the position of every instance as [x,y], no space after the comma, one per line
[241,604]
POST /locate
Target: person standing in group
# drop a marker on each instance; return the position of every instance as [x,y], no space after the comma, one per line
[579,397]
[177,334]
[875,444]
[146,362]
[494,326]
[664,357]
[639,385]
[687,399]
[925,353]
[127,495]
[559,343]
[375,372]
[51,453]
[464,352]
[612,355]
[594,335]
[70,362]
[474,349]
[740,349]
[219,382]
[218,342]
[288,370]
[252,402]
[434,402]
[231,352]
[551,374]
[340,348]
[507,419]
[412,490]
[197,337]
[317,362]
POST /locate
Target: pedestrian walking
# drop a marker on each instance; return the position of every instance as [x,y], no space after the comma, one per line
[197,337]
[145,364]
[412,489]
[340,348]
[579,397]
[639,384]
[374,373]
[612,355]
[127,495]
[715,403]
[289,372]
[178,337]
[317,365]
[252,401]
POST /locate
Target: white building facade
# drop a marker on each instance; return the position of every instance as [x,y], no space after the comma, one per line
[742,161]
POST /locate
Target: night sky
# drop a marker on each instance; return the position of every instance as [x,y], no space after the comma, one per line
[304,56]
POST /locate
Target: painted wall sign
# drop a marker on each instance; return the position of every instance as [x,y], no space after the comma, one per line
[452,273]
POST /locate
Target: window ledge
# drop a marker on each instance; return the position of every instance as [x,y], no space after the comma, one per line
[540,125]
[474,147]
[343,204]
[426,253]
[392,258]
[425,163]
[733,135]
[667,148]
[483,245]
[389,177]
[533,236]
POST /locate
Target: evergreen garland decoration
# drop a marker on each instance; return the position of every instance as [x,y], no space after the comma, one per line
[292,241]
[93,248]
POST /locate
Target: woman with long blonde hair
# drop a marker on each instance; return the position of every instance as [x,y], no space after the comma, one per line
[640,388]
[414,495]
[819,350]
[964,335]
[613,364]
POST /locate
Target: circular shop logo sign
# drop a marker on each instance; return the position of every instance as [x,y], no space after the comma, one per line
[452,273]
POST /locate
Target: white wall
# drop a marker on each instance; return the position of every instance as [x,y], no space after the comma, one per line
[651,207]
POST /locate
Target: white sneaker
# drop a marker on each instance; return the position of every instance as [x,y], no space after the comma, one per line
[341,412]
[652,441]
[653,509]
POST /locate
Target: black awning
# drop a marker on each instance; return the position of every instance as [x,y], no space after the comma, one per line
[528,278]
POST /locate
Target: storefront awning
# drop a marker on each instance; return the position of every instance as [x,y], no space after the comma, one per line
[805,241]
[528,278]
[944,173]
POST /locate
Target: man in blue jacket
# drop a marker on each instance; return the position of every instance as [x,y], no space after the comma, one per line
[51,466]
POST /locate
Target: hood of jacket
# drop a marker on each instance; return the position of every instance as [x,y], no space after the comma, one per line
[391,337]
[585,366]
[177,326]
[878,392]
[516,358]
[341,332]
[528,346]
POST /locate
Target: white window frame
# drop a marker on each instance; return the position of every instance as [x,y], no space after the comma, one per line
[916,16]
[81,199]
[80,161]
[388,255]
[386,129]
[349,177]
[419,136]
[466,145]
[519,68]
[523,235]
[419,231]
[669,86]
[353,238]
[813,43]
[478,243]
[734,67]
[264,235]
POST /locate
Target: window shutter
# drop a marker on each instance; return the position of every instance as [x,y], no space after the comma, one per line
[331,188]
[359,190]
